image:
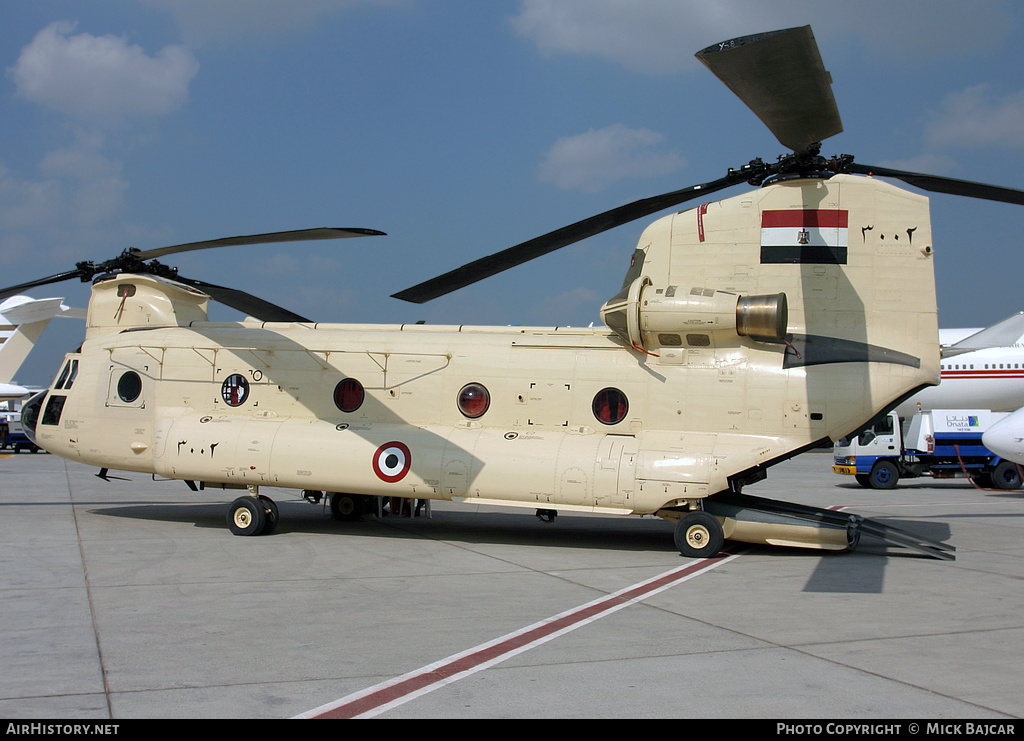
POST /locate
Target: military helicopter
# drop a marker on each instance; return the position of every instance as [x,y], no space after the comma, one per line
[747,330]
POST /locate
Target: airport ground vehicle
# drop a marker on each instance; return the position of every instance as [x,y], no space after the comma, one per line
[942,443]
[12,434]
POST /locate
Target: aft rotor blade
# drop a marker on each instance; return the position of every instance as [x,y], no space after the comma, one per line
[938,184]
[14,290]
[508,258]
[299,235]
[780,76]
[244,302]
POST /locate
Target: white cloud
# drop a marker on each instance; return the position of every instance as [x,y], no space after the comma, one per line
[978,116]
[661,36]
[595,159]
[101,77]
[74,199]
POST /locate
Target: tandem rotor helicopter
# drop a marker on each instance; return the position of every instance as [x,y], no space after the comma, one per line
[747,331]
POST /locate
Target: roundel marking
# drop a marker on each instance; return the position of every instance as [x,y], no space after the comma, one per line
[392,461]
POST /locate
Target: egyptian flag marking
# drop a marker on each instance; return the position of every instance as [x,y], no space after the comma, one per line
[804,236]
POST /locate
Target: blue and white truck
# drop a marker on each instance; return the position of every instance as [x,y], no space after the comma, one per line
[12,434]
[941,443]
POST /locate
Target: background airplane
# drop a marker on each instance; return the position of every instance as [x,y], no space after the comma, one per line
[22,321]
[1006,437]
[981,369]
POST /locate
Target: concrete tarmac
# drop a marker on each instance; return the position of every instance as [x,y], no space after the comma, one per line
[130,598]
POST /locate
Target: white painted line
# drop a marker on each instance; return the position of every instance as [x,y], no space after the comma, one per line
[390,694]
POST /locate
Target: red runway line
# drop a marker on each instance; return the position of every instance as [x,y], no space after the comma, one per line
[379,698]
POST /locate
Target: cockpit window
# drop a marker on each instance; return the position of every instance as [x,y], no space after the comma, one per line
[67,375]
[63,377]
[54,408]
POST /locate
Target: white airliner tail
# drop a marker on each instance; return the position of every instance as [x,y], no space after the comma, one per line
[22,321]
[1006,333]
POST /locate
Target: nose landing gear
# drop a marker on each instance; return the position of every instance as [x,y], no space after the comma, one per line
[254,514]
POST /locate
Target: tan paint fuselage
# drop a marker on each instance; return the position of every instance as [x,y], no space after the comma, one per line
[705,403]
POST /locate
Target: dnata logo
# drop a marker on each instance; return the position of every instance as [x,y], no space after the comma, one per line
[962,421]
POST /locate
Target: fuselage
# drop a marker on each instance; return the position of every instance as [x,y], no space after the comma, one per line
[572,417]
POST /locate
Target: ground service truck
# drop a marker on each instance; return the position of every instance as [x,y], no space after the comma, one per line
[942,443]
[12,434]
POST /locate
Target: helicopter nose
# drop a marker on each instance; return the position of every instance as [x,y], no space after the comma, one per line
[1006,437]
[30,415]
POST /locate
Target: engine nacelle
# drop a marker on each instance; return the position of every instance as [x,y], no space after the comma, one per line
[649,316]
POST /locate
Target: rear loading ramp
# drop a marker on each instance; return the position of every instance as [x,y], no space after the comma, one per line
[759,520]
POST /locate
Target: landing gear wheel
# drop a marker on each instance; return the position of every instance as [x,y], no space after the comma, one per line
[347,506]
[246,516]
[699,535]
[884,475]
[272,516]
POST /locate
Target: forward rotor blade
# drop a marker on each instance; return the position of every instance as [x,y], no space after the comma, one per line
[508,258]
[780,76]
[299,235]
[14,290]
[244,302]
[938,184]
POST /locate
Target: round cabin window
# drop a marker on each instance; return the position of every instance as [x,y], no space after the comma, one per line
[129,387]
[610,406]
[234,390]
[349,395]
[474,400]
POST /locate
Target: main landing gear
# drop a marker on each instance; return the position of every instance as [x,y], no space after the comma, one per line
[699,534]
[256,514]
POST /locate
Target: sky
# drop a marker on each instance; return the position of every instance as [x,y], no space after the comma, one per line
[459,128]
